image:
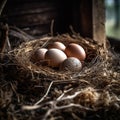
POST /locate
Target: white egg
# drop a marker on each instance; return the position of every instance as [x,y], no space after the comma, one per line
[55,57]
[39,54]
[58,45]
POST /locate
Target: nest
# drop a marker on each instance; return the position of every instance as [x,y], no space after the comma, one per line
[23,55]
[40,92]
[48,93]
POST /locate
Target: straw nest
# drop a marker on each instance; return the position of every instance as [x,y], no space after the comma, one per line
[90,93]
[23,54]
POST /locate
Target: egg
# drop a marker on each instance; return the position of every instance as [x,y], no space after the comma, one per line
[55,57]
[71,64]
[75,50]
[39,54]
[57,45]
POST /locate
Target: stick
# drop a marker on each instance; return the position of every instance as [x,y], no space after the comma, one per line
[44,95]
[2,5]
[4,36]
[51,27]
[61,96]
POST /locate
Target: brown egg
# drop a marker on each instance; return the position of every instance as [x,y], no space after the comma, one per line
[71,64]
[75,50]
[57,45]
[39,54]
[55,57]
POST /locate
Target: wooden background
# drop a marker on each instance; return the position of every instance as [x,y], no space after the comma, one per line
[35,17]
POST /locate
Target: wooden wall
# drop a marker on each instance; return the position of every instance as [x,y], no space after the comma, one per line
[35,16]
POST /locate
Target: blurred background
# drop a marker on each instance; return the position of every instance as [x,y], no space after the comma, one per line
[113,19]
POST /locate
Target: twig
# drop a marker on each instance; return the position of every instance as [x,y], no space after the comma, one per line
[15,91]
[17,32]
[51,27]
[71,81]
[73,31]
[28,107]
[4,36]
[44,95]
[2,5]
[8,44]
[72,105]
[34,107]
[64,107]
[47,114]
[69,96]
[61,96]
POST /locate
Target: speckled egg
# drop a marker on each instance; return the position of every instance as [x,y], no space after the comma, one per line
[71,64]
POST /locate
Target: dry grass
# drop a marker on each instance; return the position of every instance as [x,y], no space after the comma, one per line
[29,91]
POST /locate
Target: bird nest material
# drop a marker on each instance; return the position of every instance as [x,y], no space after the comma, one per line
[23,55]
[90,93]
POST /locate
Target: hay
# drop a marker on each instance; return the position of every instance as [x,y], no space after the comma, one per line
[47,93]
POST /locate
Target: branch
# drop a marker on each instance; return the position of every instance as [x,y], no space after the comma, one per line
[44,95]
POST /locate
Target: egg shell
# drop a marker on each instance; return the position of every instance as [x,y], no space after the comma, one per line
[75,50]
[71,64]
[39,54]
[55,57]
[58,45]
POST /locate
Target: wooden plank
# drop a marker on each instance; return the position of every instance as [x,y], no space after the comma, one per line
[92,20]
[99,21]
